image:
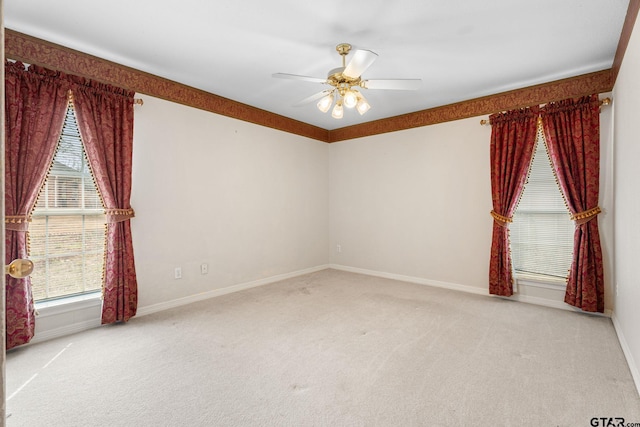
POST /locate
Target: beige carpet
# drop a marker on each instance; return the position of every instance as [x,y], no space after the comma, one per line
[330,349]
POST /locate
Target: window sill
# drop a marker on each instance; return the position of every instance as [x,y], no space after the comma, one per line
[541,281]
[64,305]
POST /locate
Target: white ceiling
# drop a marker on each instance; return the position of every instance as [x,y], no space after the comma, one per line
[460,49]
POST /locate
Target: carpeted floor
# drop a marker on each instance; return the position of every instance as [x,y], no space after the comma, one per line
[330,349]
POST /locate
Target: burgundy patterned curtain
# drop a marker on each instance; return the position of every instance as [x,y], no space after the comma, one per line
[513,137]
[35,105]
[105,118]
[572,131]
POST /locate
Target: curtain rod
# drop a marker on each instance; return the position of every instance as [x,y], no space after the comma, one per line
[605,101]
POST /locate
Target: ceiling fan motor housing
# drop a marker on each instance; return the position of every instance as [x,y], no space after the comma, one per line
[340,81]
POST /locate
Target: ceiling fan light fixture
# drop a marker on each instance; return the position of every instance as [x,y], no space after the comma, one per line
[338,111]
[350,98]
[362,106]
[325,103]
[345,82]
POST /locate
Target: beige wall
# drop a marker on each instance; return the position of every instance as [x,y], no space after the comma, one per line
[249,201]
[255,203]
[627,202]
[415,205]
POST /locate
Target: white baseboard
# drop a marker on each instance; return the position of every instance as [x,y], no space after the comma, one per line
[633,367]
[76,327]
[411,279]
[462,288]
[553,304]
[142,311]
[65,330]
[154,308]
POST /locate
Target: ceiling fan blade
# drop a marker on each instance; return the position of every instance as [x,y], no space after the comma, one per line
[362,59]
[297,77]
[392,84]
[313,97]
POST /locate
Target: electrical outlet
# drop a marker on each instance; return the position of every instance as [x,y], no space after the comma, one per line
[204,268]
[178,273]
[339,248]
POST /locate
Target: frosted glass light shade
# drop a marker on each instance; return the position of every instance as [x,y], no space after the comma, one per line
[350,98]
[325,103]
[362,106]
[338,111]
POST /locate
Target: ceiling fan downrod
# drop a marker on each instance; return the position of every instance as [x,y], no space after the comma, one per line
[343,49]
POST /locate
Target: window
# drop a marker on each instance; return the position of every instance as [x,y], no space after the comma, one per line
[542,232]
[67,233]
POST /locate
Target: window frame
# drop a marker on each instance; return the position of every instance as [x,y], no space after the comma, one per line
[83,174]
[537,279]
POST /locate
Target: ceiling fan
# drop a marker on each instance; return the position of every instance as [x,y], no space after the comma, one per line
[344,81]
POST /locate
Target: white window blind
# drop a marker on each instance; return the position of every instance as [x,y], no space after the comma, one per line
[67,234]
[542,232]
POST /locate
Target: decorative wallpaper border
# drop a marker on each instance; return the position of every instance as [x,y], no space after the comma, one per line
[627,28]
[32,50]
[573,87]
[22,47]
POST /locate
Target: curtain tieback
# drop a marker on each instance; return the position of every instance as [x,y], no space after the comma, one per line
[501,220]
[17,222]
[119,215]
[586,216]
